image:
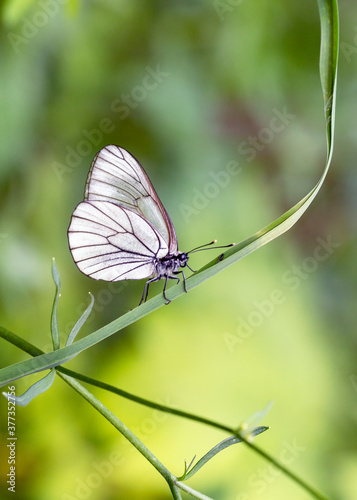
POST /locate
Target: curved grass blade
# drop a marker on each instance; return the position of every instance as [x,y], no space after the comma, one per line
[80,322]
[328,60]
[54,320]
[328,75]
[35,390]
[216,449]
[328,71]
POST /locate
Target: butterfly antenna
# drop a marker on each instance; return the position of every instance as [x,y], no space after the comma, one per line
[201,248]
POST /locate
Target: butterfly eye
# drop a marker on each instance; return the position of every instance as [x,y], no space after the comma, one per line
[183,259]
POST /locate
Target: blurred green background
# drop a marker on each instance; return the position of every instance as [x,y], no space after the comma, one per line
[184,86]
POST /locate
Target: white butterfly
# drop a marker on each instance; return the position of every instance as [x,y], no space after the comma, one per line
[121,230]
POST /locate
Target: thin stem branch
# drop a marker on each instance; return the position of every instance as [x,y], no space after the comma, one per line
[192,492]
[143,401]
[34,351]
[176,493]
[294,477]
[121,427]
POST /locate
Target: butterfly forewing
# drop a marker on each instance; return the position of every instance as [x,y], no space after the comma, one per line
[117,177]
[111,243]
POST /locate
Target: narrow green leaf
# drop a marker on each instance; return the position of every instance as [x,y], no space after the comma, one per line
[60,356]
[80,322]
[248,424]
[216,449]
[36,389]
[54,320]
[328,55]
[328,74]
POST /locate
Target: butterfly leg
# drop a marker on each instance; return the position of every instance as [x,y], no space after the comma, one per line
[183,277]
[164,290]
[220,257]
[184,281]
[146,290]
[145,293]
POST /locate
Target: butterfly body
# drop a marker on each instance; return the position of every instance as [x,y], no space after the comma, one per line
[167,267]
[170,264]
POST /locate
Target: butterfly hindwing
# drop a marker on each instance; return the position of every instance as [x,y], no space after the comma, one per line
[111,242]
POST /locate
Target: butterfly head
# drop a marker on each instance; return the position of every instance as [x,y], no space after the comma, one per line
[182,258]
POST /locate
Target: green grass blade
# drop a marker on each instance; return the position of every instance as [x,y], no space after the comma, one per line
[54,319]
[216,449]
[80,322]
[328,61]
[35,390]
[60,356]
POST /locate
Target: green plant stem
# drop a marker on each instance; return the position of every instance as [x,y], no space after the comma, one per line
[20,342]
[122,428]
[130,436]
[176,494]
[67,374]
[34,351]
[286,471]
[192,492]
